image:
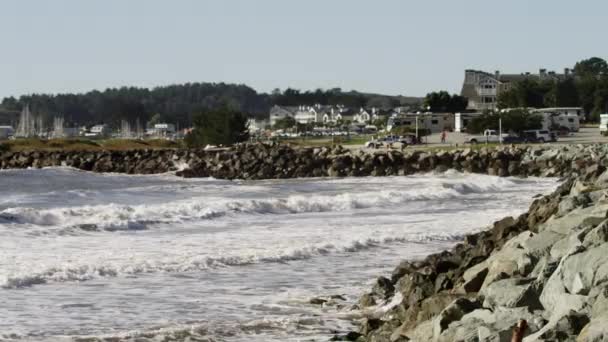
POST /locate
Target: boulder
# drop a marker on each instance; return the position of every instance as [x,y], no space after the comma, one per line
[512,292]
[452,313]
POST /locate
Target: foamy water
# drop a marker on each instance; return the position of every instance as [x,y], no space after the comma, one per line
[108,255]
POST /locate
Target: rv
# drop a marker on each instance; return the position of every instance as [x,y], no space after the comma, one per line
[569,122]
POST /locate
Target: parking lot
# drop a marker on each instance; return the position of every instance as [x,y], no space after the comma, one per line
[586,135]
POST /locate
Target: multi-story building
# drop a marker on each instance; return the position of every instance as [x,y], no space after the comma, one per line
[482,88]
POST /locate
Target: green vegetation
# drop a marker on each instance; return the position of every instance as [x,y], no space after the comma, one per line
[515,121]
[335,96]
[218,127]
[443,102]
[588,89]
[285,123]
[33,144]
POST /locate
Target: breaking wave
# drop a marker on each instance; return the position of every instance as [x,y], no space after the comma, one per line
[115,217]
[190,263]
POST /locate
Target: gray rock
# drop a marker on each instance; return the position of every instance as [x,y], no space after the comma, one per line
[451,313]
[512,292]
[595,331]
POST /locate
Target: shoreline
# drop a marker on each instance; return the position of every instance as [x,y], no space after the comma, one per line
[478,290]
[546,267]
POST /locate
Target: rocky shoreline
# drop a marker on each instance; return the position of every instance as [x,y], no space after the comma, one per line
[261,161]
[548,266]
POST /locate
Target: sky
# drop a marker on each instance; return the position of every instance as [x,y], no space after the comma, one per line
[406,47]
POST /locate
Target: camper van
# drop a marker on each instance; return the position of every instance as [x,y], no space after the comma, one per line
[604,124]
[560,122]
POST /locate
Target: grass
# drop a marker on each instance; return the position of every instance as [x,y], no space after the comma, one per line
[34,144]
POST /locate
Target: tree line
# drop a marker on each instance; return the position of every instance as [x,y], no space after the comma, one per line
[179,104]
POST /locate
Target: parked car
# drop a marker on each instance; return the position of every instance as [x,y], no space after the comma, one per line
[390,140]
[538,136]
[489,136]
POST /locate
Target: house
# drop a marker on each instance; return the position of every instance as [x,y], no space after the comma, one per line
[345,115]
[482,88]
[281,112]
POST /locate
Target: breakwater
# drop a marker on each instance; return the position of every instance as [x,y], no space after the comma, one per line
[262,161]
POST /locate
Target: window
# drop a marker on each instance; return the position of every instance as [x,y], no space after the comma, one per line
[570,120]
[435,122]
[407,123]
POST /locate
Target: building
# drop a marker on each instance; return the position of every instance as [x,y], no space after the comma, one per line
[482,88]
[281,112]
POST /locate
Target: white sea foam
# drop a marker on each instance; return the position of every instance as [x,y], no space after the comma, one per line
[116,217]
[83,272]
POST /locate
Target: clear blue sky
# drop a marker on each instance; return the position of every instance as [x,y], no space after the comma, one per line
[385,46]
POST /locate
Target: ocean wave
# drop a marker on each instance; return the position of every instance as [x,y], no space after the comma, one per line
[178,264]
[115,217]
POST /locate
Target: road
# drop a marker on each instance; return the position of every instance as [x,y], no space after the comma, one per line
[583,136]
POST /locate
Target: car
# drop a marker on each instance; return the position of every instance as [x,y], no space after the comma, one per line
[489,136]
[538,136]
[390,140]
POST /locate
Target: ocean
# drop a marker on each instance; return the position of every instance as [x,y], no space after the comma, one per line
[149,257]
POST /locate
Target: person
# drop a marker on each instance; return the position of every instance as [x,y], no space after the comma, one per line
[443,136]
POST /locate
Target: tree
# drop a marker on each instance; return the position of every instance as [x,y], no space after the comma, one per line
[593,67]
[442,101]
[285,123]
[562,94]
[515,121]
[379,123]
[525,93]
[218,127]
